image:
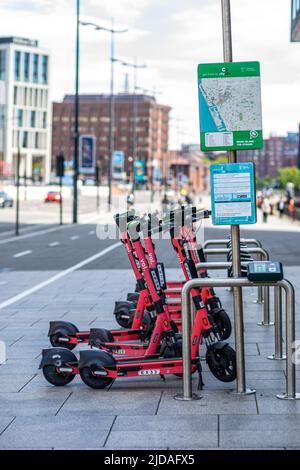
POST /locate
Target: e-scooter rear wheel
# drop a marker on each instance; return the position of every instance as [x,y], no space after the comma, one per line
[94,381]
[222,363]
[124,318]
[55,341]
[54,377]
[223,324]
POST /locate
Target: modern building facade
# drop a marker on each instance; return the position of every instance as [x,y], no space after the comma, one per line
[277,153]
[295,20]
[152,129]
[25,111]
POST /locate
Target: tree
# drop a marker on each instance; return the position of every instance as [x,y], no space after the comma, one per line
[289,175]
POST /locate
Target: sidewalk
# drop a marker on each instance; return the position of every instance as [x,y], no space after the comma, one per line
[139,413]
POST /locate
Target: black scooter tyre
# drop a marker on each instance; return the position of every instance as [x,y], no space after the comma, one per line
[224,365]
[58,344]
[56,378]
[223,324]
[124,322]
[92,381]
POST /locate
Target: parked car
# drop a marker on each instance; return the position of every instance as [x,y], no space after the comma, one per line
[6,200]
[52,196]
[89,182]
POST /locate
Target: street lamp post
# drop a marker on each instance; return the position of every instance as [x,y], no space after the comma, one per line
[135,66]
[153,163]
[76,117]
[112,31]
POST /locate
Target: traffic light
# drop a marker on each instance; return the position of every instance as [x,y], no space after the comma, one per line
[60,167]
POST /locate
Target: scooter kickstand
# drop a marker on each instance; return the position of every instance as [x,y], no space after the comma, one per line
[110,385]
[200,380]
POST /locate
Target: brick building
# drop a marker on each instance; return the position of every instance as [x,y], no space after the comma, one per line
[152,128]
[186,167]
[277,153]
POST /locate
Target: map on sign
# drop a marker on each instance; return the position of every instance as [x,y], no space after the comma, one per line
[230,106]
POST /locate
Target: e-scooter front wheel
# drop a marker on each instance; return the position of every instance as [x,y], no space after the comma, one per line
[93,380]
[223,324]
[221,361]
[55,377]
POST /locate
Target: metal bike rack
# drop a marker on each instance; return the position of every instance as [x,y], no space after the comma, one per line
[224,241]
[248,241]
[263,255]
[239,335]
[277,307]
[278,355]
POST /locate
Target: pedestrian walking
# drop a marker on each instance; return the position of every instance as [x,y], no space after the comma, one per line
[280,207]
[130,201]
[266,209]
[291,208]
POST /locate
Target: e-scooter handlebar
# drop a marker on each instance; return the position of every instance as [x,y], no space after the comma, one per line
[176,219]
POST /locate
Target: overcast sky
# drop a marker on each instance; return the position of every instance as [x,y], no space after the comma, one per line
[171,37]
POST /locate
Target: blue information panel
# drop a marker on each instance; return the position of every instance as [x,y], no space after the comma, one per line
[233,194]
[139,171]
[87,154]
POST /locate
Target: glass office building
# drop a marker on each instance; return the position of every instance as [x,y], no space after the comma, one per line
[295,20]
[24,108]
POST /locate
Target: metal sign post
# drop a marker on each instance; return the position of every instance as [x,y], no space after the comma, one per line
[97,180]
[235,234]
[18,191]
[60,170]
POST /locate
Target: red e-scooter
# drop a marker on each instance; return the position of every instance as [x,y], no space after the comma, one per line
[98,368]
[66,334]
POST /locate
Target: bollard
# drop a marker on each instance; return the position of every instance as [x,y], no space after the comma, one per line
[278,355]
[290,343]
[187,394]
[266,317]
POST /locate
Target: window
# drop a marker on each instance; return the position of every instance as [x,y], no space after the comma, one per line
[32,118]
[15,95]
[26,66]
[17,65]
[35,68]
[19,117]
[2,64]
[44,123]
[44,69]
[2,116]
[36,143]
[25,139]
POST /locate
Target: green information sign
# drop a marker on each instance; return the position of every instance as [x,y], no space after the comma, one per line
[230,106]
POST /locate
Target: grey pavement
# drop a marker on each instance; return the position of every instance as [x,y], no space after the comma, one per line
[135,413]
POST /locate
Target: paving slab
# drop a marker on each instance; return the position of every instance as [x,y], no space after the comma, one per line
[212,402]
[32,404]
[267,403]
[113,402]
[128,439]
[258,439]
[52,431]
[13,382]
